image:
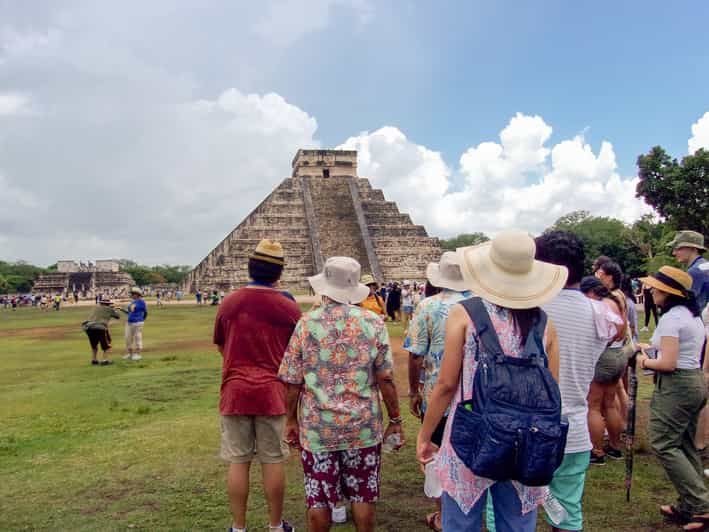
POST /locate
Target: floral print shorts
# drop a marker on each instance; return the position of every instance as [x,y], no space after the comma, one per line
[352,474]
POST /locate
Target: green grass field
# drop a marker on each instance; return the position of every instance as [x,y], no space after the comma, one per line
[133,446]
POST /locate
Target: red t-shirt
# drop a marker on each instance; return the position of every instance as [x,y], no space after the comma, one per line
[253,327]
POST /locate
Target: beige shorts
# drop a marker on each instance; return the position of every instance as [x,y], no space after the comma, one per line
[134,336]
[247,437]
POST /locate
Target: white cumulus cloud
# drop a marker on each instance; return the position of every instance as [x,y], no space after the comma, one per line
[700,134]
[520,181]
[13,103]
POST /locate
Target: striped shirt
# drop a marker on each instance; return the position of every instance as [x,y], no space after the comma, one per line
[580,346]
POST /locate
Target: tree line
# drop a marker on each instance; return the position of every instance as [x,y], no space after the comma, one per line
[20,276]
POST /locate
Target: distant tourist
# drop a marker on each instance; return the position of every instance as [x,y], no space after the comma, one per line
[687,248]
[57,301]
[394,302]
[96,328]
[373,301]
[680,394]
[251,331]
[158,298]
[198,296]
[407,303]
[137,314]
[178,295]
[215,298]
[649,306]
[584,328]
[425,340]
[337,364]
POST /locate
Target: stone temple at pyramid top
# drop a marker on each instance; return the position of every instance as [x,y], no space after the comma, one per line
[323,210]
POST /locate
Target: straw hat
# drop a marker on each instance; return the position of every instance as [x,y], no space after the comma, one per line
[367,280]
[136,290]
[269,251]
[504,271]
[446,273]
[339,281]
[688,239]
[671,280]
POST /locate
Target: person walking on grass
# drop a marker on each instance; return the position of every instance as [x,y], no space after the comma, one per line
[137,311]
[337,364]
[251,331]
[584,328]
[425,340]
[511,285]
[96,328]
[687,248]
[603,407]
[679,396]
[373,301]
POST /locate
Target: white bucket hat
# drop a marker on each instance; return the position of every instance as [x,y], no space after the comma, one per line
[503,271]
[446,273]
[339,281]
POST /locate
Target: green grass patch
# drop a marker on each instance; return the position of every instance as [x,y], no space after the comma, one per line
[134,446]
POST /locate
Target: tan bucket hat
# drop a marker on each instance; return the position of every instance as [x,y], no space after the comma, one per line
[671,280]
[136,290]
[504,271]
[688,239]
[269,251]
[339,281]
[367,280]
[446,273]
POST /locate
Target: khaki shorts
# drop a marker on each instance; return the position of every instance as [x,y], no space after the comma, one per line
[134,336]
[247,437]
[611,365]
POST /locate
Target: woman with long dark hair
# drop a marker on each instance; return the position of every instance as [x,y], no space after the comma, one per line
[680,394]
[603,407]
[511,285]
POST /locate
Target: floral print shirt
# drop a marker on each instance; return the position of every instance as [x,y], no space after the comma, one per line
[335,352]
[426,335]
[459,482]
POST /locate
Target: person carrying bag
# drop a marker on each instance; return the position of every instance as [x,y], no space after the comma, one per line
[505,435]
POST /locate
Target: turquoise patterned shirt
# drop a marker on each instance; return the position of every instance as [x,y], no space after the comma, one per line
[426,334]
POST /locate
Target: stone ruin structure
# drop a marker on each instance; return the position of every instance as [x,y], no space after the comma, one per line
[99,277]
[324,209]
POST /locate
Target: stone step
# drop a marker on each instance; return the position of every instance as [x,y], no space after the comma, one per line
[401,231]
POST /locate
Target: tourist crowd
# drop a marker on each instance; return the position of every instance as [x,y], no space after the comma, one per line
[521,371]
[517,369]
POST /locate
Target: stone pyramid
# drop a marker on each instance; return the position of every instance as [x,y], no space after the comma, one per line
[322,210]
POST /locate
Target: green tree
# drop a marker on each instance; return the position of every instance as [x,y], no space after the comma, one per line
[604,236]
[678,191]
[3,283]
[465,239]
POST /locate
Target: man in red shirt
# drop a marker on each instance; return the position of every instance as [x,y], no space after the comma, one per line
[252,330]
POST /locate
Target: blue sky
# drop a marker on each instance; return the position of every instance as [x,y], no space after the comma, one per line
[148,130]
[636,73]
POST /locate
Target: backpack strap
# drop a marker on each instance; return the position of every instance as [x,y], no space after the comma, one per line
[484,332]
[484,329]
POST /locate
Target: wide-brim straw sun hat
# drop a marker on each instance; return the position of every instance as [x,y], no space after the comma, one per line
[339,281]
[446,273]
[671,280]
[136,290]
[504,271]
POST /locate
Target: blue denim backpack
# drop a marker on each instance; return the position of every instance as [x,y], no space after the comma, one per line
[512,428]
